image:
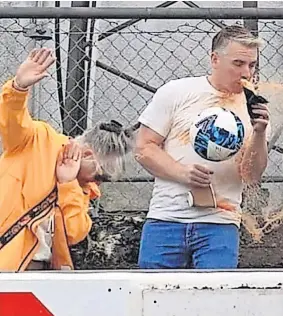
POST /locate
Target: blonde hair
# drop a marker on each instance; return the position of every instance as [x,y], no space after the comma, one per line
[110,145]
[235,33]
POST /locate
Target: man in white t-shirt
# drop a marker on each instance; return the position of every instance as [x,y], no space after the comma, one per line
[176,234]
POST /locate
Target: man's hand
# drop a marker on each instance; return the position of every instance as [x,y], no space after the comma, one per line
[260,123]
[197,176]
[34,68]
[255,155]
[68,163]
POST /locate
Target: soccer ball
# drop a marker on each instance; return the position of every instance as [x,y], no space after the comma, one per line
[217,134]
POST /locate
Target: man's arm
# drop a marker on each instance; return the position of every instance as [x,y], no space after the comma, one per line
[256,153]
[16,124]
[155,160]
[156,122]
[254,159]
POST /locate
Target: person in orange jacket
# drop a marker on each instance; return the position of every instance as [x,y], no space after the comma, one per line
[46,181]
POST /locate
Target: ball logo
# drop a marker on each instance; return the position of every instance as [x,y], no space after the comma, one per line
[217,134]
[204,123]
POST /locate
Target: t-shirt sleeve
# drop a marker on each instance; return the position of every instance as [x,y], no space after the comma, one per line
[158,115]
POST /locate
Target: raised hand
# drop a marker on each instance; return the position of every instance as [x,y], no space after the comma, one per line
[68,162]
[34,68]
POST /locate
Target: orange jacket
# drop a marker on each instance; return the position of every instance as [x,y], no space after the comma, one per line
[27,177]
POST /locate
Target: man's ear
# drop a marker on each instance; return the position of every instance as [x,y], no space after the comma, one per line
[214,58]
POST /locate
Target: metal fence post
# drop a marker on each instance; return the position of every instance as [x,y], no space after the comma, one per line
[75,113]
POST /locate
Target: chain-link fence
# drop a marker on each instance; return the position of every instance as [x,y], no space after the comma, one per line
[110,69]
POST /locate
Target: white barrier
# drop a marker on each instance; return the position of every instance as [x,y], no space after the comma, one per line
[152,293]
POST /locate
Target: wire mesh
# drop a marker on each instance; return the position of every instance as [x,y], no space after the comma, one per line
[110,70]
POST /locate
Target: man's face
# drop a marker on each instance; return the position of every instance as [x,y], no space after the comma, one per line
[234,63]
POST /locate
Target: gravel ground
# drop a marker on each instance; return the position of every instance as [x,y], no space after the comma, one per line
[114,242]
[269,254]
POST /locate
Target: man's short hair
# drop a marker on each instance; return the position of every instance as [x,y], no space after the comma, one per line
[234,33]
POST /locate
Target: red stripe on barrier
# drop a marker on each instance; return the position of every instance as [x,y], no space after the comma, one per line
[22,304]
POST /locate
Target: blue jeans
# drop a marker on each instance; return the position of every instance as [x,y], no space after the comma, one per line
[168,245]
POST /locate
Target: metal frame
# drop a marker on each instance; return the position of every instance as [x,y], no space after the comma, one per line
[142,13]
[191,4]
[116,72]
[250,13]
[132,22]
[75,97]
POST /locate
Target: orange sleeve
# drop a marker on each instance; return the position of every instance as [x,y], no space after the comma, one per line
[74,204]
[92,190]
[16,124]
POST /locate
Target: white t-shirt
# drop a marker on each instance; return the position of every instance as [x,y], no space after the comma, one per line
[170,114]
